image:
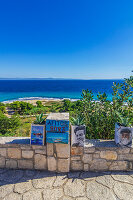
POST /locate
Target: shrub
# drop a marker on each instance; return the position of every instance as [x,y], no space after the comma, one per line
[8,124]
[21,106]
[100,116]
[39,104]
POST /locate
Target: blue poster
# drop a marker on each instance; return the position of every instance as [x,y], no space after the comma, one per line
[37,135]
[57,131]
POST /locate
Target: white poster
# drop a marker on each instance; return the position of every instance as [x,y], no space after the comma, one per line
[78,135]
[123,135]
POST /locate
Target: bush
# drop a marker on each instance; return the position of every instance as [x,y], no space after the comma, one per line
[71,106]
[100,116]
[39,104]
[8,124]
[2,107]
[21,106]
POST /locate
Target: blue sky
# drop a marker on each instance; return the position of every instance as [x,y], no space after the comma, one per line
[87,39]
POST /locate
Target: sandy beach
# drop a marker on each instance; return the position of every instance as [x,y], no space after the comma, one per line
[33,100]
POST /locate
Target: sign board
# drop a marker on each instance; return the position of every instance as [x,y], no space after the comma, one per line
[57,128]
[37,134]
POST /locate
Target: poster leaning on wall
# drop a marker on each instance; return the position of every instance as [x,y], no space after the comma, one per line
[57,128]
[123,135]
[37,134]
[78,135]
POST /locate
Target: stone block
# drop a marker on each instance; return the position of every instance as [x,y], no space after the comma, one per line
[76,151]
[12,164]
[96,155]
[3,152]
[58,116]
[86,167]
[14,153]
[40,162]
[119,165]
[108,155]
[63,165]
[62,150]
[41,151]
[131,150]
[52,166]
[98,165]
[26,147]
[125,157]
[89,149]
[87,158]
[27,154]
[76,165]
[50,149]
[37,147]
[2,162]
[75,158]
[123,150]
[25,164]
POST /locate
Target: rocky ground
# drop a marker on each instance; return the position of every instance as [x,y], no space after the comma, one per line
[44,185]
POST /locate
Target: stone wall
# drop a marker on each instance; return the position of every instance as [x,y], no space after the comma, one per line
[63,158]
[18,156]
[101,158]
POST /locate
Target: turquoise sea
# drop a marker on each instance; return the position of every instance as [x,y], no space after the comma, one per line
[36,89]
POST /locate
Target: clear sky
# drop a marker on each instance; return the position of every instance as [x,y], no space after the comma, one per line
[84,39]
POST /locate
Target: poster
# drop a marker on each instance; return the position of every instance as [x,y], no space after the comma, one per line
[37,134]
[57,131]
[123,135]
[78,135]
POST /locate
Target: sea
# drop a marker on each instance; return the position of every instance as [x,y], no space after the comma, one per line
[52,89]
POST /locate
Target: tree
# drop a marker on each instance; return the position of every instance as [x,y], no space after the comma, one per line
[39,104]
[21,106]
[67,105]
[8,124]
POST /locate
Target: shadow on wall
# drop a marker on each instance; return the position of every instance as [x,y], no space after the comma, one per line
[100,143]
[88,143]
[19,141]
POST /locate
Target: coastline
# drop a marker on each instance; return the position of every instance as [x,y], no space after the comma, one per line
[33,100]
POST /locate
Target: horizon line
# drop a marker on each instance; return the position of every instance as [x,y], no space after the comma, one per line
[61,79]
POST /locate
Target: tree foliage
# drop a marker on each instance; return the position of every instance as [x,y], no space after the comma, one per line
[21,106]
[8,124]
[100,116]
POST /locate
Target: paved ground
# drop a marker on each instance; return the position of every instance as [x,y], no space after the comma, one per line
[38,185]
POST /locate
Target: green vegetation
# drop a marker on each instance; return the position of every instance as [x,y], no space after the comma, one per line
[124,121]
[2,108]
[8,125]
[39,104]
[77,121]
[20,107]
[39,119]
[99,116]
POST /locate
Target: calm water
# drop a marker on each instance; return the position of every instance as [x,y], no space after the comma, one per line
[15,89]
